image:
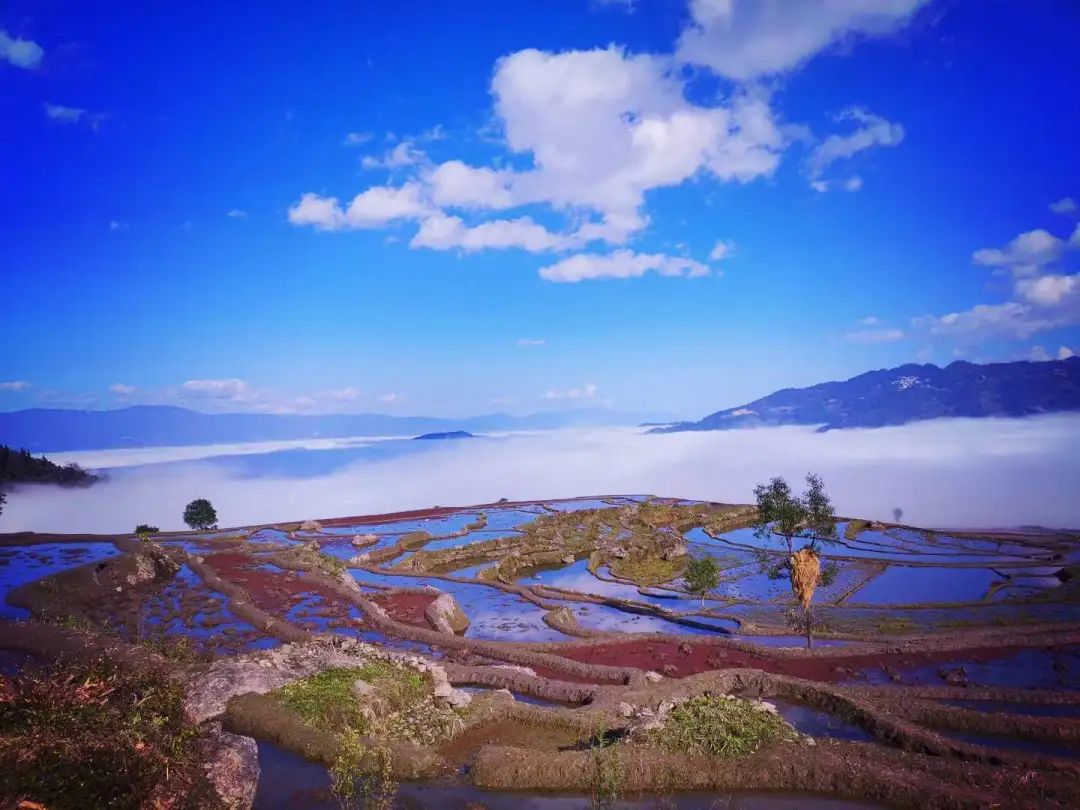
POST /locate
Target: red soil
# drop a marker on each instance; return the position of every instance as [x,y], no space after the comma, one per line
[405,607]
[443,511]
[656,655]
[275,591]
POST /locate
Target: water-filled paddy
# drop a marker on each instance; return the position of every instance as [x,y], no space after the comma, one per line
[900,584]
[22,564]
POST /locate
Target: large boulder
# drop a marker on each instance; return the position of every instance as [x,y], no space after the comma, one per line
[231,763]
[446,615]
[311,526]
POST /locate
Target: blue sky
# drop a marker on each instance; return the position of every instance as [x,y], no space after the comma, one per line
[458,208]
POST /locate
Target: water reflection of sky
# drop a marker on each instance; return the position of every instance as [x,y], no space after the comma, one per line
[22,564]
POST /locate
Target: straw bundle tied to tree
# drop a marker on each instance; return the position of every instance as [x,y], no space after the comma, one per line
[805,570]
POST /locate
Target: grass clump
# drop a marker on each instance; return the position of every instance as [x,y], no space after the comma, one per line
[854,527]
[325,700]
[95,735]
[720,726]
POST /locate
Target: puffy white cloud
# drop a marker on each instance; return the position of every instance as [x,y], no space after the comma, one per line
[587,391]
[531,342]
[456,184]
[875,335]
[871,130]
[1064,353]
[392,399]
[441,232]
[603,127]
[743,39]
[721,250]
[373,208]
[236,213]
[621,264]
[1024,255]
[1066,205]
[230,389]
[1049,290]
[22,53]
[869,320]
[121,389]
[14,385]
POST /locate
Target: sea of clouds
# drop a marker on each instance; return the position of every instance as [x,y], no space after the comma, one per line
[943,473]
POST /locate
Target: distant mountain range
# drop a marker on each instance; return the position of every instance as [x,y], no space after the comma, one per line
[57,430]
[910,393]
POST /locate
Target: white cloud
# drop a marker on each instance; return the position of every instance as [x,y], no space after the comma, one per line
[357,138]
[1024,255]
[403,154]
[587,391]
[744,39]
[869,320]
[527,342]
[603,127]
[392,399]
[1049,290]
[347,394]
[122,389]
[230,389]
[22,53]
[117,225]
[871,130]
[1064,353]
[65,115]
[441,232]
[456,184]
[14,385]
[1066,205]
[373,208]
[875,335]
[621,264]
[955,472]
[236,213]
[721,250]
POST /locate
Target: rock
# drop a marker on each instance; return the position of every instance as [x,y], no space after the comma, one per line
[568,559]
[809,740]
[361,540]
[504,693]
[359,559]
[619,553]
[685,648]
[769,707]
[669,670]
[443,690]
[231,763]
[446,615]
[517,668]
[665,707]
[311,526]
[653,677]
[625,709]
[954,677]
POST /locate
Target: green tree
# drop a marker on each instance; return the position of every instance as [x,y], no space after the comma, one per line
[200,514]
[807,517]
[780,512]
[146,528]
[702,575]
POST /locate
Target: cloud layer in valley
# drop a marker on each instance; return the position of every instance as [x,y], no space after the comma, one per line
[942,473]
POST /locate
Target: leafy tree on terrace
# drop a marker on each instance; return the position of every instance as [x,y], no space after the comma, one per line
[702,576]
[146,528]
[807,517]
[200,514]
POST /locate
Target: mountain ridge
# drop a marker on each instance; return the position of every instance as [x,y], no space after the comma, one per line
[57,430]
[909,393]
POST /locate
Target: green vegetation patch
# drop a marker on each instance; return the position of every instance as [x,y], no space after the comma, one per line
[648,569]
[854,527]
[399,708]
[721,726]
[96,735]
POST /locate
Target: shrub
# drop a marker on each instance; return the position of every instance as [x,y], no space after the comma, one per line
[721,726]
